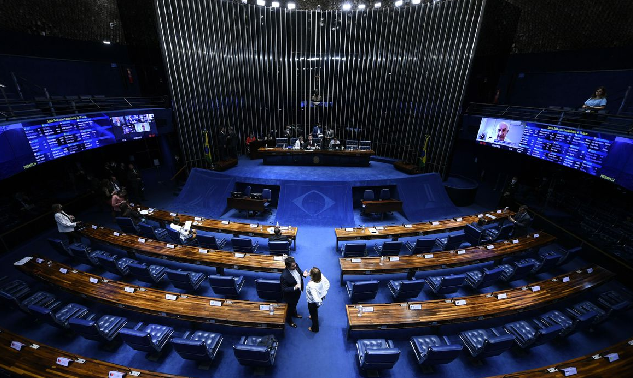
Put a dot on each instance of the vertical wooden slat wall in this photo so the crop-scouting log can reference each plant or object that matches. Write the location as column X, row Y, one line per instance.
column 389, row 75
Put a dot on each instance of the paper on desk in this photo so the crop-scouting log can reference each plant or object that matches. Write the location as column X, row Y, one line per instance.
column 349, row 229
column 372, row 230
column 225, row 222
column 408, row 225
column 143, row 212
column 23, row 261
column 188, row 225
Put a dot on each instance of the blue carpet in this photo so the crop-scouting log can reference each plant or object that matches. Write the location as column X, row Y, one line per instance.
column 318, row 203
column 424, row 198
column 204, row 194
column 329, row 353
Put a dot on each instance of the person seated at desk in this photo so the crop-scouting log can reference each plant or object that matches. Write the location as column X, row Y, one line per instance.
column 596, row 102
column 335, row 144
column 278, row 235
column 186, row 233
column 310, row 144
column 129, row 212
column 521, row 221
column 299, row 143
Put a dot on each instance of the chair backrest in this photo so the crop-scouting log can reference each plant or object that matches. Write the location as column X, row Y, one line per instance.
column 454, row 241
column 191, row 349
column 571, row 253
column 423, row 245
column 354, row 249
column 473, row 234
column 138, row 340
column 141, row 271
column 268, row 289
column 82, row 253
column 364, row 290
column 522, row 269
column 548, row 262
column 450, row 284
column 380, row 359
column 266, row 194
column 495, row 345
column 385, row 194
column 505, row 231
column 368, row 195
column 254, row 355
column 247, row 191
column 391, row 248
column 490, row 276
column 410, row 288
column 207, row 241
column 127, row 225
column 174, row 235
column 442, row 354
column 223, row 284
column 59, row 247
column 86, row 328
column 279, row 247
column 111, row 265
column 146, row 230
column 181, row 279
column 242, row 245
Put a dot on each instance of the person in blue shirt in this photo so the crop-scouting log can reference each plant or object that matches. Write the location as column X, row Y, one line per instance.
column 596, row 102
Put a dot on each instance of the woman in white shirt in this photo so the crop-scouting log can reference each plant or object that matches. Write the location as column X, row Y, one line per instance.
column 316, row 290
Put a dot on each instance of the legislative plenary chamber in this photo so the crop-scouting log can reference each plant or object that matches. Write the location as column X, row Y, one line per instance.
column 323, row 188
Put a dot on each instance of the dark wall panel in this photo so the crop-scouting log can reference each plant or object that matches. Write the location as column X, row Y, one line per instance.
column 390, row 75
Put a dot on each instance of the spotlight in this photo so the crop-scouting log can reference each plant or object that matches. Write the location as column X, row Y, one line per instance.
column 106, row 42
column 416, row 2
column 244, row 1
column 347, row 6
column 361, row 6
column 292, row 6
column 261, row 2
column 377, row 5
column 275, row 4
column 398, row 3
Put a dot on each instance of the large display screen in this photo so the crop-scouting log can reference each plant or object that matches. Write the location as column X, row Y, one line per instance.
column 26, row 144
column 598, row 154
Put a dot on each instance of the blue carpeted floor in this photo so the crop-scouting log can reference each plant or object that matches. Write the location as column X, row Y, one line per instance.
column 326, row 354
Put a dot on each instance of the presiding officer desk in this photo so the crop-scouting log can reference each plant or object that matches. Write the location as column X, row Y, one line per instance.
column 477, row 307
column 152, row 301
column 212, row 225
column 41, row 361
column 442, row 259
column 595, row 365
column 415, row 229
column 188, row 254
column 283, row 156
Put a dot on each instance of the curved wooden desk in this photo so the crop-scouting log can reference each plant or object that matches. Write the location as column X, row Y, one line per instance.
column 442, row 259
column 594, row 365
column 41, row 362
column 187, row 254
column 284, row 156
column 477, row 307
column 415, row 229
column 151, row 301
column 211, row 225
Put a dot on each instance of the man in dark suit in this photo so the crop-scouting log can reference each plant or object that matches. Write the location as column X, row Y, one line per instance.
column 521, row 221
column 291, row 286
column 278, row 235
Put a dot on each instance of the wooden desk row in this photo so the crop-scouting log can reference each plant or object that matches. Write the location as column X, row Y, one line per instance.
column 442, row 259
column 151, row 301
column 187, row 254
column 415, row 229
column 226, row 227
column 246, row 203
column 40, row 361
column 381, row 206
column 477, row 307
column 283, row 156
column 595, row 365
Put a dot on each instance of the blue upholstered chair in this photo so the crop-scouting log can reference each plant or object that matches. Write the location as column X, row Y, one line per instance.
column 60, row 247
column 452, row 241
column 40, row 298
column 475, row 235
column 431, row 350
column 84, row 254
column 544, row 264
column 256, row 350
column 376, row 354
column 210, row 241
column 483, row 343
column 279, row 247
column 267, row 196
column 421, row 246
column 368, row 195
column 528, row 335
column 155, row 233
column 269, row 290
column 445, row 284
column 198, row 345
column 516, row 270
column 502, row 232
column 389, row 248
column 407, row 289
column 127, row 225
column 244, row 245
column 362, row 290
column 104, row 330
column 479, row 279
column 186, row 280
column 226, row 285
column 115, row 265
column 585, row 308
column 385, row 194
column 354, row 250
column 147, row 273
column 14, row 289
column 614, row 300
column 568, row 325
column 556, row 250
column 151, row 338
column 60, row 317
column 247, row 191
column 174, row 235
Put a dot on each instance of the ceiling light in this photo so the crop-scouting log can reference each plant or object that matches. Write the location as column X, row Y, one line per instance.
column 106, row 42
column 347, row 6
column 261, row 2
column 377, row 5
column 275, row 4
column 244, row 1
column 292, row 5
column 416, row 2
column 398, row 3
column 361, row 6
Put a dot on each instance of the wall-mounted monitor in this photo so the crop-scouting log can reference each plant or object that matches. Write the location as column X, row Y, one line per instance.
column 502, row 133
